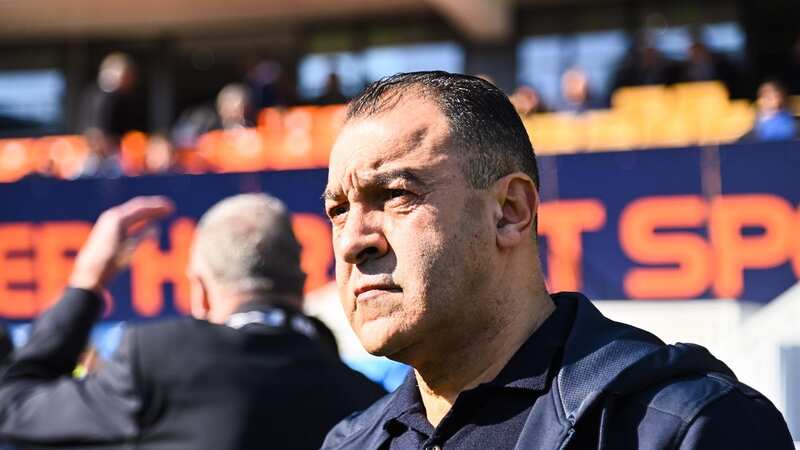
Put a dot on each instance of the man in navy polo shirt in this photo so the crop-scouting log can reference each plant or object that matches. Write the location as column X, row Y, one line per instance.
column 432, row 194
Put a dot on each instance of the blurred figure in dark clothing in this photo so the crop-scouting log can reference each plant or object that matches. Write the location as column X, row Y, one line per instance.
column 332, row 95
column 575, row 95
column 109, row 109
column 702, row 65
column 645, row 65
column 774, row 121
column 248, row 370
column 705, row 65
column 527, row 101
column 263, row 79
column 232, row 109
column 792, row 76
column 193, row 123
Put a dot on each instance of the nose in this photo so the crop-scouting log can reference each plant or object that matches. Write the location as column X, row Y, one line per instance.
column 362, row 238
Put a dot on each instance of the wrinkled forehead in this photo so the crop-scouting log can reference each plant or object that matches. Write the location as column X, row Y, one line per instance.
column 403, row 136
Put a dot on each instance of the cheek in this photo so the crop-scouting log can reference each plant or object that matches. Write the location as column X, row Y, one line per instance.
column 343, row 271
column 413, row 237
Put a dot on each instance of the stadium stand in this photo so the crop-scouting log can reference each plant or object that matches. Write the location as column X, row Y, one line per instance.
column 300, row 137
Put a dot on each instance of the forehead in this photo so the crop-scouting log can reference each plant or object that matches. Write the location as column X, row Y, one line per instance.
column 413, row 133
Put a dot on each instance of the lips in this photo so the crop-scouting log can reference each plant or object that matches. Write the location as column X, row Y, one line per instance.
column 366, row 291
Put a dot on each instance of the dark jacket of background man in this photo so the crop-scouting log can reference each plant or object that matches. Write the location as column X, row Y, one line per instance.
column 182, row 384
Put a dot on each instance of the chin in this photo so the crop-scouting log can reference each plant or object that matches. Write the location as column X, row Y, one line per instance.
column 381, row 339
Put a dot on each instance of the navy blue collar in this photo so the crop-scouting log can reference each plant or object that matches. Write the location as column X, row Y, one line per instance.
column 528, row 370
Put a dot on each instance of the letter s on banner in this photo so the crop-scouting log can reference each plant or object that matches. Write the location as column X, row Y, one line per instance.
column 642, row 242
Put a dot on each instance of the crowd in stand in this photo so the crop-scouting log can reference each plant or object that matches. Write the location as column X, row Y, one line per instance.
column 109, row 108
column 646, row 66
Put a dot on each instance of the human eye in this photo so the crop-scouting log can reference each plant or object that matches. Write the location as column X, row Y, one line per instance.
column 337, row 210
column 397, row 197
column 391, row 194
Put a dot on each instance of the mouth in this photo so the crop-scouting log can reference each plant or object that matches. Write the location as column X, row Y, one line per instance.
column 369, row 291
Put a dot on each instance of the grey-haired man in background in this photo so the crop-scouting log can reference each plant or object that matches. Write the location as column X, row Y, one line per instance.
column 249, row 370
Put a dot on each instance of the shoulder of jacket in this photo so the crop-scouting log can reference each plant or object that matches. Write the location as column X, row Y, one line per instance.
column 686, row 397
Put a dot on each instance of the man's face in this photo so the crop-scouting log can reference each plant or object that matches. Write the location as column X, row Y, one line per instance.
column 412, row 241
column 770, row 100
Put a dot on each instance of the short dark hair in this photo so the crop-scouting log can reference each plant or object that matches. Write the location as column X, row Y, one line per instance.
column 777, row 84
column 483, row 123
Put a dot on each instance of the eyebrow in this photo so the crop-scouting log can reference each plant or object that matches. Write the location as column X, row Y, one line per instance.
column 382, row 179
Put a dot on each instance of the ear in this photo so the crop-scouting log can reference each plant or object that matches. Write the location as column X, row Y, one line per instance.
column 516, row 200
column 199, row 305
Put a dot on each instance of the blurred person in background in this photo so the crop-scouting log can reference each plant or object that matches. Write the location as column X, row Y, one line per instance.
column 232, row 110
column 645, row 65
column 576, row 97
column 774, row 122
column 332, row 93
column 248, row 371
column 109, row 109
column 264, row 81
column 527, row 101
column 705, row 65
column 160, row 157
column 432, row 193
column 792, row 75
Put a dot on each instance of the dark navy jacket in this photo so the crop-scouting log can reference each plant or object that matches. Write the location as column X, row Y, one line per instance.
column 619, row 387
column 181, row 384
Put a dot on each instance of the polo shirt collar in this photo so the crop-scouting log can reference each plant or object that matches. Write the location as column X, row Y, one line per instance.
column 405, row 399
column 529, row 368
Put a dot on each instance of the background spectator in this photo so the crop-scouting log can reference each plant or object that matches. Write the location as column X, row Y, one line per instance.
column 645, row 65
column 264, row 82
column 332, row 95
column 526, row 101
column 240, row 374
column 109, row 109
column 159, row 157
column 774, row 121
column 575, row 95
column 792, row 76
column 705, row 65
column 232, row 109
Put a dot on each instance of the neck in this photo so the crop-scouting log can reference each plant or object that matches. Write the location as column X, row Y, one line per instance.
column 222, row 310
column 480, row 357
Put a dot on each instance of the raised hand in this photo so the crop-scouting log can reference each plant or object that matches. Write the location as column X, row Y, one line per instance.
column 114, row 236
